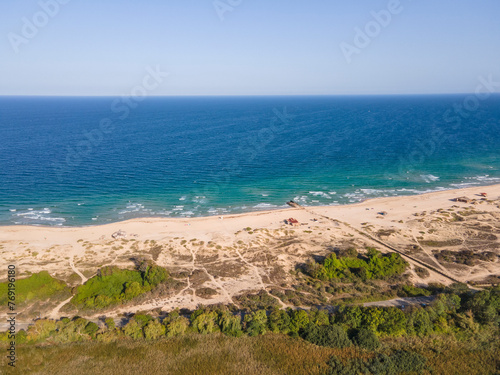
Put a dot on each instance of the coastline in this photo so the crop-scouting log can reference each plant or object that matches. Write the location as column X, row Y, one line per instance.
column 248, row 252
column 376, row 201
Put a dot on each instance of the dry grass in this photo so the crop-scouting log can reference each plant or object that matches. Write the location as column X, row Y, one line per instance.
column 217, row 354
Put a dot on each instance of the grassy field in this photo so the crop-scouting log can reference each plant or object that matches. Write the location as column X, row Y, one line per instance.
column 38, row 286
column 219, row 354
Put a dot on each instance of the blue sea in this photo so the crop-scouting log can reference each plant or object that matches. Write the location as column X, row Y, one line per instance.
column 69, row 161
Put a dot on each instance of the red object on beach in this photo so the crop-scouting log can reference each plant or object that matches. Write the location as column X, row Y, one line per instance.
column 293, row 221
column 483, row 194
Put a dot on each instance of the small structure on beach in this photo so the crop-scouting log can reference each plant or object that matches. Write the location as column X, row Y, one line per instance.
column 293, row 204
column 461, row 200
column 119, row 234
column 483, row 194
column 293, row 221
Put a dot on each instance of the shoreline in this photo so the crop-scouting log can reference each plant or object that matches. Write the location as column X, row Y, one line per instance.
column 491, row 189
column 244, row 253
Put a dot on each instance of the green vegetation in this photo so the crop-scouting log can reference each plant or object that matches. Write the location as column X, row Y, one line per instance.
column 412, row 291
column 333, row 336
column 39, row 286
column 401, row 362
column 113, row 285
column 454, row 333
column 350, row 267
column 448, row 313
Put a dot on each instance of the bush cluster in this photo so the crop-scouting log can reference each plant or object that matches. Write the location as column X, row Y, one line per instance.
column 372, row 266
column 113, row 285
column 39, row 286
column 448, row 313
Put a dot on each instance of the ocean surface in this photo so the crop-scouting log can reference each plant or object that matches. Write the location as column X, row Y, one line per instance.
column 89, row 161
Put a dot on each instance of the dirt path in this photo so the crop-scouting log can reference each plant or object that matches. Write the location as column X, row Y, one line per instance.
column 402, row 302
column 75, row 270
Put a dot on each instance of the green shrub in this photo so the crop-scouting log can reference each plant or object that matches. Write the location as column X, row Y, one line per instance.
column 401, row 362
column 333, row 336
column 176, row 325
column 374, row 266
column 113, row 285
column 91, row 328
column 256, row 323
column 366, row 339
column 39, row 286
column 279, row 321
column 133, row 329
column 412, row 291
column 204, row 321
column 230, row 324
column 154, row 330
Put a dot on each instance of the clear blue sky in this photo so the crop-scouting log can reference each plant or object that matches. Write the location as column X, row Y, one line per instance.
column 263, row 47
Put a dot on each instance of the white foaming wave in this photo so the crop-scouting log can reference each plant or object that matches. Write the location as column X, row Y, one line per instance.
column 355, row 197
column 163, row 212
column 133, row 207
column 32, row 216
column 301, row 199
column 416, row 191
column 265, row 205
column 377, row 191
column 484, row 178
column 12, row 210
column 320, row 194
column 178, row 208
column 464, row 185
column 200, row 199
column 429, row 178
column 187, row 213
column 476, row 180
column 183, row 198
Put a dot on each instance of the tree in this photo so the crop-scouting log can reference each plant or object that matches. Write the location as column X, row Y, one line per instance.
column 176, row 325
column 350, row 316
column 256, row 323
column 110, row 323
column 133, row 330
column 366, row 339
column 320, row 318
column 421, row 322
column 205, row 323
column 156, row 275
column 42, row 329
column 132, row 290
column 333, row 336
column 393, row 322
column 279, row 321
column 154, row 330
column 372, row 318
column 299, row 320
column 230, row 324
column 91, row 329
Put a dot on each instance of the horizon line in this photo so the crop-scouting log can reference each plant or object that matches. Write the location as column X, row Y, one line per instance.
column 234, row 95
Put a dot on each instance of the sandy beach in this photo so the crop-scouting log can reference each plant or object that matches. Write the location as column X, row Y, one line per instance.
column 249, row 252
column 224, row 227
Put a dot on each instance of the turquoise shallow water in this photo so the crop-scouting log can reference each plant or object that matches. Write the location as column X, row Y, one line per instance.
column 87, row 161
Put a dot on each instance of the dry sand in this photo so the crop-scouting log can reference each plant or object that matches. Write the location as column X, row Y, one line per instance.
column 219, row 254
